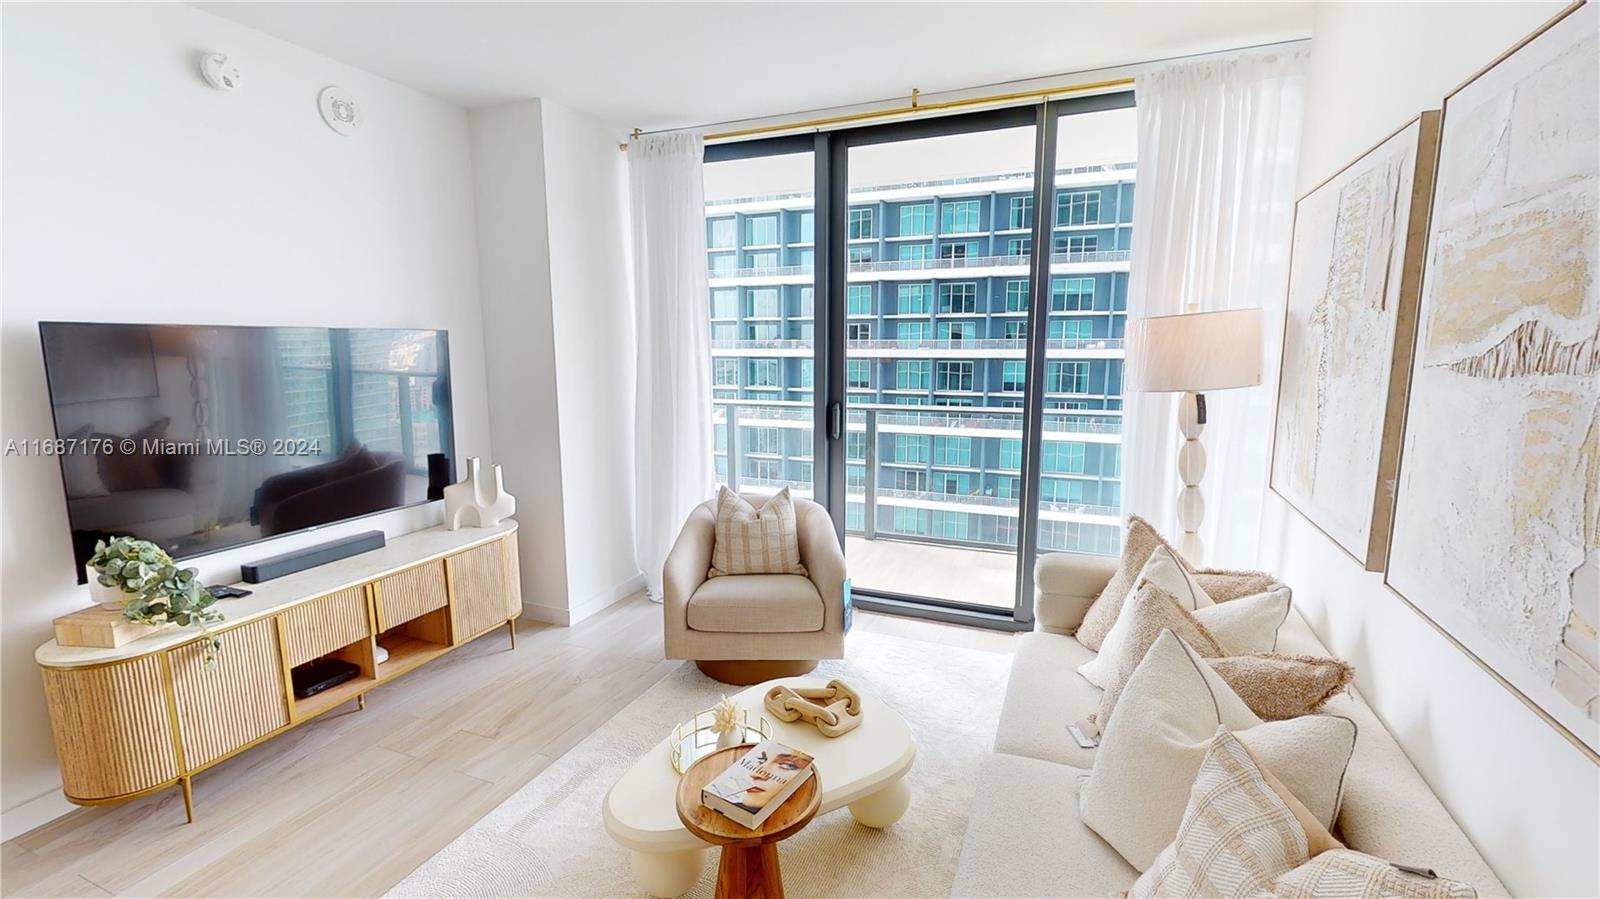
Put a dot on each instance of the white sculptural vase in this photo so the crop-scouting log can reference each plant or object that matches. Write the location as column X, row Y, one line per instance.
column 476, row 502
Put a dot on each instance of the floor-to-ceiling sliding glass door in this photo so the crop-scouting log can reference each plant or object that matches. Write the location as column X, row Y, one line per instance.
column 919, row 324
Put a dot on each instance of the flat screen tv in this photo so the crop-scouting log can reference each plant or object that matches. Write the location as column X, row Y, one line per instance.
column 201, row 438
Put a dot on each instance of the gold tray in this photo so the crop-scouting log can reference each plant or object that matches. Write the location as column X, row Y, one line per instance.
column 693, row 740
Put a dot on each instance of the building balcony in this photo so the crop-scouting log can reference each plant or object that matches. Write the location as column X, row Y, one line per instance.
column 922, row 269
column 977, row 348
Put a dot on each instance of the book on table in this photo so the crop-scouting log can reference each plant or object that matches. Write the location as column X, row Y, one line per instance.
column 754, row 786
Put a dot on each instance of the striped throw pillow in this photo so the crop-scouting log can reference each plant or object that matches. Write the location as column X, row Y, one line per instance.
column 751, row 541
column 1237, row 835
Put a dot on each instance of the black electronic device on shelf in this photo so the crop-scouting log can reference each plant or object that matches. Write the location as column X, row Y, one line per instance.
column 322, row 674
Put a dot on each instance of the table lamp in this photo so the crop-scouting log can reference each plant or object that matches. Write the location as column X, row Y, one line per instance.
column 1193, row 353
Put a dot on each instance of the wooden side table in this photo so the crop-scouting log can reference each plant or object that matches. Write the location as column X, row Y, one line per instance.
column 749, row 866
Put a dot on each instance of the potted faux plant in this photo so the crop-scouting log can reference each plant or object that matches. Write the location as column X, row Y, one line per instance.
column 141, row 579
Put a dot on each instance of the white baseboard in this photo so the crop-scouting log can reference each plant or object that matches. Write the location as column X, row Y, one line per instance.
column 566, row 617
column 34, row 813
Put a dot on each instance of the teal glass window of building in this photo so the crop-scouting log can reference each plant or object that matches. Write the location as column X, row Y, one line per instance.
column 913, row 299
column 724, row 232
column 1016, row 330
column 858, row 299
column 949, row 525
column 724, row 332
column 804, row 258
column 1013, row 376
column 910, row 335
column 1066, row 377
column 952, row 483
column 719, row 437
column 763, row 440
column 722, row 263
column 806, row 232
column 1063, row 458
column 954, row 376
column 910, row 375
column 725, row 372
column 1057, row 490
column 964, row 249
column 762, row 373
column 1019, row 246
column 725, row 303
column 1008, row 488
column 805, row 373
column 768, row 331
column 807, row 305
column 1071, row 294
column 855, row 517
column 910, row 521
column 860, row 224
column 916, row 220
column 958, row 297
column 911, row 481
column 858, row 331
column 1019, row 212
column 1075, row 330
column 960, row 217
column 1010, row 454
column 762, row 303
column 1077, row 243
column 766, row 259
column 859, row 255
column 914, row 252
column 762, row 469
column 855, row 447
column 952, row 451
column 956, row 332
column 1017, row 295
column 911, row 448
column 1078, row 207
column 761, row 231
column 855, row 477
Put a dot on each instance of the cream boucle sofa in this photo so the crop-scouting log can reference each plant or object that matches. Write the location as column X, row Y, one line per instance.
column 1024, row 836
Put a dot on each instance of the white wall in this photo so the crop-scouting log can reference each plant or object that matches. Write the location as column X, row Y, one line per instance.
column 1526, row 796
column 135, row 192
column 586, row 198
column 552, row 225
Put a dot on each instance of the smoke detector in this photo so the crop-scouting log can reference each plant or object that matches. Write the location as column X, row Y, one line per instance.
column 219, row 72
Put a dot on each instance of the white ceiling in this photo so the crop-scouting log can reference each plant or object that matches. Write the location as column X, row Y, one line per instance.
column 662, row 65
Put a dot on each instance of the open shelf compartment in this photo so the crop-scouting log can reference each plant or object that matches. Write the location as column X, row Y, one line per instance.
column 411, row 643
column 358, row 653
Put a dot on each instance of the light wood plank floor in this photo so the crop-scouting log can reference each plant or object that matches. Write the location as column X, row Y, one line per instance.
column 350, row 803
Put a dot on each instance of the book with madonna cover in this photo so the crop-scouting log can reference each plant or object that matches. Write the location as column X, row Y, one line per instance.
column 754, row 786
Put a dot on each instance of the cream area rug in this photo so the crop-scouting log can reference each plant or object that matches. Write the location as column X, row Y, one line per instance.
column 547, row 840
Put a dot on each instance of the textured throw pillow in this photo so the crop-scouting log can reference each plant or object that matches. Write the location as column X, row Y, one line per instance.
column 1137, row 546
column 1277, row 687
column 1150, row 610
column 1222, row 585
column 1237, row 627
column 1151, row 750
column 1347, row 874
column 1248, row 623
column 1237, row 834
column 748, row 541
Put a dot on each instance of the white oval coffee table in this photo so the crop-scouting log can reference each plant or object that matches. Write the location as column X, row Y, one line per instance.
column 864, row 769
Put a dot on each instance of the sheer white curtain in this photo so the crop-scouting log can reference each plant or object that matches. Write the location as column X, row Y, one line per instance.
column 672, row 417
column 1219, row 143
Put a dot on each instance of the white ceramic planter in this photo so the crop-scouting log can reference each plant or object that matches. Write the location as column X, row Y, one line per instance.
column 103, row 596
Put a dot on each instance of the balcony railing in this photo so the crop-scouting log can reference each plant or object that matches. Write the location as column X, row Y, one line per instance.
column 769, row 471
column 1027, row 177
column 1009, row 344
column 926, row 265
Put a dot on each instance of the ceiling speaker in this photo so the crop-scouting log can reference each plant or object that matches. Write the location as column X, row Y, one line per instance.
column 339, row 109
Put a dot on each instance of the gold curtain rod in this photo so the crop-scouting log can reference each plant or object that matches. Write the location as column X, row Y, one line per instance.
column 916, row 106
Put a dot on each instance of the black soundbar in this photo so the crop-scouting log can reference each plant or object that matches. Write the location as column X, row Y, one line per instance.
column 310, row 557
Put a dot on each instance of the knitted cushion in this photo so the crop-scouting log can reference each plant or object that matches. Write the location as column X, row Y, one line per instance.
column 1140, row 541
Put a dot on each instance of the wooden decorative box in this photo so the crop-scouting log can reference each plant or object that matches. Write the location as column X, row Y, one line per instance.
column 99, row 627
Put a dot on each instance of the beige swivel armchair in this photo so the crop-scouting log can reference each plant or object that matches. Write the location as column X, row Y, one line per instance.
column 744, row 629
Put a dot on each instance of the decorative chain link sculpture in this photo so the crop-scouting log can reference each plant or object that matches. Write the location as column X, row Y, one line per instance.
column 833, row 710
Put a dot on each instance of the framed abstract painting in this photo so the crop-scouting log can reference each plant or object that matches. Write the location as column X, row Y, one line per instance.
column 1354, row 276
column 1498, row 504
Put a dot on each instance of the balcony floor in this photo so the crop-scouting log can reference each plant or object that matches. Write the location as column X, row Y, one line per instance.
column 924, row 569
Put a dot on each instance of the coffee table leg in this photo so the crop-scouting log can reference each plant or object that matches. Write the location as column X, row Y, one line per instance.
column 884, row 807
column 668, row 874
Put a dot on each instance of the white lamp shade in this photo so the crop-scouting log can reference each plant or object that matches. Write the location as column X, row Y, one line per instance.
column 1195, row 351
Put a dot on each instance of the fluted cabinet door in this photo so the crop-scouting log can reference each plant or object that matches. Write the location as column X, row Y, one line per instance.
column 478, row 579
column 513, row 576
column 320, row 626
column 410, row 594
column 242, row 700
column 113, row 733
